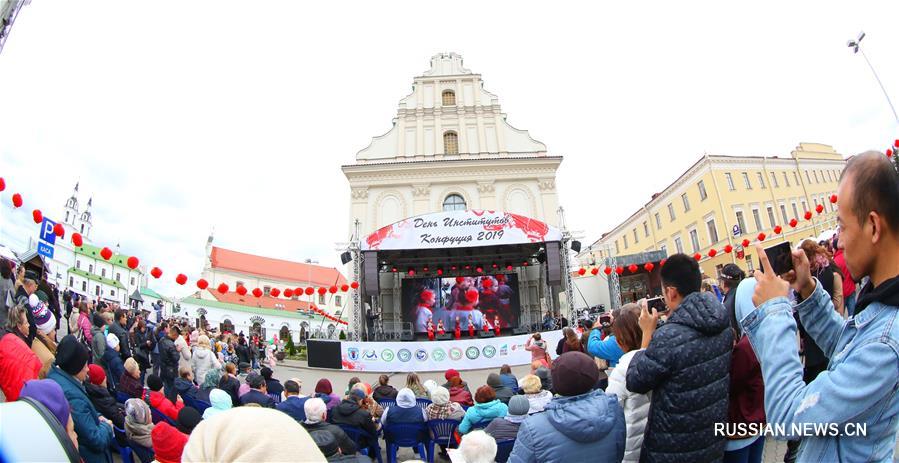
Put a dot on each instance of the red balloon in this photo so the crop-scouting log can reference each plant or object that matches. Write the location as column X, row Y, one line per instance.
column 242, row 290
column 833, row 199
column 608, row 270
column 202, row 284
column 2, row 184
column 697, row 256
column 819, row 208
column 777, row 230
column 728, row 249
column 133, row 262
column 77, row 240
column 38, row 217
column 746, row 242
column 17, row 200
column 181, row 279
column 594, row 270
column 619, row 270
column 761, row 237
column 581, row 271
column 332, row 289
column 275, row 292
column 713, row 252
column 649, row 266
column 223, row 288
column 257, row 292
column 354, row 285
column 632, row 268
column 322, row 290
column 808, row 215
column 793, row 223
column 156, row 272
column 344, row 288
column 309, row 291
column 106, row 253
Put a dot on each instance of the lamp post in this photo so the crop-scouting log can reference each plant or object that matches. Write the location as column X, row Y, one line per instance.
column 855, row 45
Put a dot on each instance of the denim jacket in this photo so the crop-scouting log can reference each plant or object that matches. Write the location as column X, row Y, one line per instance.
column 859, row 386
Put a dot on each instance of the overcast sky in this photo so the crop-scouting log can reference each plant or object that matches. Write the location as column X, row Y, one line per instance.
column 178, row 117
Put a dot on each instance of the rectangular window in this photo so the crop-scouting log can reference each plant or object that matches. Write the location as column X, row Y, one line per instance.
column 702, row 193
column 713, row 231
column 664, row 249
column 321, row 299
column 774, row 179
column 112, row 292
column 337, row 301
column 730, row 181
column 90, row 268
column 266, row 290
column 749, row 263
column 786, row 179
column 97, row 290
column 761, row 180
column 118, row 277
column 678, row 245
column 771, row 219
column 617, row 249
column 71, row 282
column 808, row 178
column 816, row 176
column 686, row 201
column 239, row 283
column 795, row 211
column 103, row 272
column 804, row 206
column 741, row 222
column 783, row 212
column 132, row 281
column 636, row 239
column 646, row 229
column 671, row 211
column 658, row 221
column 625, row 241
column 84, row 286
column 746, row 181
column 694, row 240
column 757, row 219
column 795, row 178
column 78, row 264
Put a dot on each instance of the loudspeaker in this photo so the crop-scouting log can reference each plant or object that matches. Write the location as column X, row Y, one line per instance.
column 444, row 337
column 553, row 264
column 407, row 337
column 346, row 257
column 324, row 354
column 371, row 284
column 575, row 246
column 486, row 334
column 517, row 331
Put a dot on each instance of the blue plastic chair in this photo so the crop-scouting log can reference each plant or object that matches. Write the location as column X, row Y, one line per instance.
column 196, row 403
column 386, row 403
column 124, row 452
column 442, row 432
column 356, row 435
column 144, row 454
column 276, row 398
column 480, row 425
column 413, row 435
column 503, row 450
column 422, row 403
column 159, row 416
column 121, row 397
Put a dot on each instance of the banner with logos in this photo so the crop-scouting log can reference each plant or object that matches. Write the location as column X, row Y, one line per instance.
column 464, row 354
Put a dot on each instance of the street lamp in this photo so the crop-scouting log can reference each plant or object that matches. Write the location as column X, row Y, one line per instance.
column 855, row 45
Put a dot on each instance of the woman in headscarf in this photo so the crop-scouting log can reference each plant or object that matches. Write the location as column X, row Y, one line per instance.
column 220, row 401
column 138, row 423
column 210, row 382
column 405, row 411
column 324, row 391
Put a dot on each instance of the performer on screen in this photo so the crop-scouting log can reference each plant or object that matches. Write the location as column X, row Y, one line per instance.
column 440, row 330
column 467, row 308
column 424, row 311
column 470, row 327
column 430, row 329
column 496, row 325
column 485, row 326
column 458, row 330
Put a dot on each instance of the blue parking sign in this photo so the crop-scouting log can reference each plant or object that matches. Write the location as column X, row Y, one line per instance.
column 47, row 231
column 45, row 250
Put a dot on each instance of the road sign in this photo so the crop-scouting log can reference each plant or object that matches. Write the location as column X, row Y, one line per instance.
column 47, row 231
column 45, row 250
column 737, row 231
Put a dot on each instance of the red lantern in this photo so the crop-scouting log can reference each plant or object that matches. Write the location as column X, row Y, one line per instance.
column 777, row 230
column 662, row 263
column 594, row 270
column 181, row 279
column 309, row 291
column 332, row 290
column 156, row 272
column 608, row 270
column 354, row 285
column 106, row 253
column 793, row 223
column 746, row 243
column 833, row 199
column 275, row 292
column 2, row 184
column 77, row 240
column 649, row 266
column 202, row 284
column 297, row 292
column 17, row 200
column 819, row 208
column 632, row 268
column 242, row 290
column 288, row 293
column 223, row 288
column 322, row 290
column 697, row 256
column 761, row 237
column 38, row 217
column 713, row 252
column 619, row 270
column 59, row 230
column 344, row 288
column 895, row 144
column 889, row 153
column 582, row 271
column 257, row 292
column 808, row 215
column 728, row 249
column 133, row 262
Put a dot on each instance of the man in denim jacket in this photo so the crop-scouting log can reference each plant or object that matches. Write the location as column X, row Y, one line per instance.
column 861, row 384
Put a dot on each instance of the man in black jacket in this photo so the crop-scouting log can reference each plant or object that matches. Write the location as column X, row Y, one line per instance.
column 350, row 412
column 686, row 365
column 168, row 362
column 258, row 392
column 117, row 327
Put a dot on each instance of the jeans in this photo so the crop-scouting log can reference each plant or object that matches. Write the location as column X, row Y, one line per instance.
column 752, row 453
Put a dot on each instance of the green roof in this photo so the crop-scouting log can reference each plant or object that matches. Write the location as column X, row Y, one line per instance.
column 97, row 278
column 153, row 294
column 243, row 308
column 117, row 260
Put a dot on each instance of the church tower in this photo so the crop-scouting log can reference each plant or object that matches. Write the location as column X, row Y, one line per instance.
column 71, row 209
column 84, row 222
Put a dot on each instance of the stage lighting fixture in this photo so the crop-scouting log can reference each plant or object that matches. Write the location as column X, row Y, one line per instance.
column 439, row 271
column 526, row 263
column 479, row 269
column 394, row 270
column 495, row 265
column 509, row 268
column 346, row 258
column 454, row 268
column 411, row 272
column 468, row 267
column 425, row 269
column 576, row 246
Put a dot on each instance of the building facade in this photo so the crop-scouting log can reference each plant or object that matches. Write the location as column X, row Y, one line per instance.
column 722, row 200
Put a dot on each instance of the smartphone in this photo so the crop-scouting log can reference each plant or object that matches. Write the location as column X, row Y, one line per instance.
column 657, row 303
column 780, row 257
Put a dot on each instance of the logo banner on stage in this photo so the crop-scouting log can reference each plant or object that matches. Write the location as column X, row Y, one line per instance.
column 465, row 354
column 460, row 229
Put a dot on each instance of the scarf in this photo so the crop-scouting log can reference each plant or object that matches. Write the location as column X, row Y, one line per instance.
column 138, row 424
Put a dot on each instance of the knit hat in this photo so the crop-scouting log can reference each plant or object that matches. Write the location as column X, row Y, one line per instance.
column 325, row 442
column 519, row 405
column 440, row 396
column 112, row 341
column 494, row 381
column 48, row 393
column 242, row 366
column 574, row 373
column 154, row 383
column 357, row 394
column 255, row 380
column 450, row 373
column 71, row 355
column 168, row 443
column 95, row 374
column 188, row 419
column 43, row 318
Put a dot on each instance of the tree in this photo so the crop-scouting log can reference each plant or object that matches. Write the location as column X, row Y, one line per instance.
column 342, row 336
column 291, row 349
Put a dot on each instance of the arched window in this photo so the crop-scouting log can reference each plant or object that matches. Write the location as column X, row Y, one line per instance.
column 449, row 98
column 450, row 143
column 454, row 203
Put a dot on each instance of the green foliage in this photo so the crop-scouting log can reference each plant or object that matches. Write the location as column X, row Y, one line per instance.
column 290, row 347
column 342, row 336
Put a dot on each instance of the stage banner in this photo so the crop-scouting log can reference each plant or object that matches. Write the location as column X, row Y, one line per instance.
column 465, row 354
column 460, row 229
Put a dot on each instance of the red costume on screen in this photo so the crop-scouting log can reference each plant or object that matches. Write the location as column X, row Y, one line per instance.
column 440, row 329
column 496, row 325
column 430, row 331
column 458, row 331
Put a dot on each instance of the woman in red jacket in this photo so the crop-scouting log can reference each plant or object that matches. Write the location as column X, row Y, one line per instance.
column 18, row 363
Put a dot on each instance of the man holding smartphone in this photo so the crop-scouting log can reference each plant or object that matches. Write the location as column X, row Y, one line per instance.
column 862, row 377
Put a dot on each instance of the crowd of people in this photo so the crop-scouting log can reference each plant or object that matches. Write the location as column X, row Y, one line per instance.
column 815, row 345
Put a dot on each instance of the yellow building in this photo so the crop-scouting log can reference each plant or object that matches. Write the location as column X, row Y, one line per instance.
column 722, row 200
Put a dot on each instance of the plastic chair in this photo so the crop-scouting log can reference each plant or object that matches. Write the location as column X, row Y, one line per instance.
column 276, row 398
column 385, row 403
column 480, row 425
column 159, row 416
column 441, row 433
column 503, row 450
column 144, row 454
column 412, row 435
column 121, row 397
column 422, row 403
column 356, row 435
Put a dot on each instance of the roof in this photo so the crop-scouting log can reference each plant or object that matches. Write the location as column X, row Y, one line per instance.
column 117, row 260
column 266, row 302
column 243, row 308
column 153, row 294
column 135, row 296
column 97, row 278
column 278, row 269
